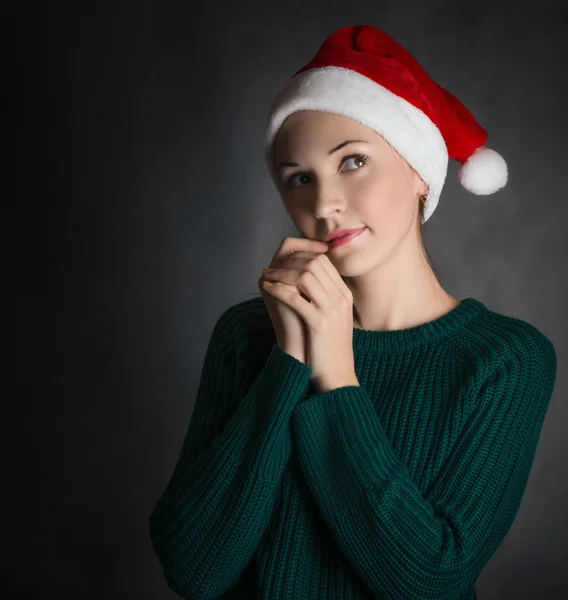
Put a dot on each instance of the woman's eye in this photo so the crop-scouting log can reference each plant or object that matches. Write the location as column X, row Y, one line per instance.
column 354, row 157
column 291, row 178
column 357, row 157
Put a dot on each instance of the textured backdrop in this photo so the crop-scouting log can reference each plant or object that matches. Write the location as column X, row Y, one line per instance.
column 144, row 209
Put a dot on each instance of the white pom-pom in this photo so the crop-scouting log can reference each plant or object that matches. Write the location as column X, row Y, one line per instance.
column 484, row 172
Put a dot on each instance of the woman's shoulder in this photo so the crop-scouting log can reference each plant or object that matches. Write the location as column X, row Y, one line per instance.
column 512, row 328
column 248, row 322
column 496, row 337
column 243, row 311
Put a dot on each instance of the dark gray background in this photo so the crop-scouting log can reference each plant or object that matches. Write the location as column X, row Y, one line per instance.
column 143, row 209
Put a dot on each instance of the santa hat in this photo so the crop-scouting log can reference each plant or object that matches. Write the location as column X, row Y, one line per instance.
column 362, row 73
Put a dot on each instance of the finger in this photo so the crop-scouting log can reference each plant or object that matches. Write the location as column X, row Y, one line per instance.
column 320, row 268
column 290, row 245
column 323, row 264
column 291, row 287
column 264, row 278
column 302, row 306
column 310, row 285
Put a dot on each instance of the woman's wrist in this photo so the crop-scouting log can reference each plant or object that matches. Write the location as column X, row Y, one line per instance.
column 297, row 353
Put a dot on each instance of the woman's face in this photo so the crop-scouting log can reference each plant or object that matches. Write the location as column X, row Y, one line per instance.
column 376, row 189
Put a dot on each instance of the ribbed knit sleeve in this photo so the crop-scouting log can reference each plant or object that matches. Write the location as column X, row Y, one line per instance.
column 210, row 518
column 404, row 544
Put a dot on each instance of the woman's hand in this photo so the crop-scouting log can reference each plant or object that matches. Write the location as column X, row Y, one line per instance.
column 327, row 312
column 289, row 328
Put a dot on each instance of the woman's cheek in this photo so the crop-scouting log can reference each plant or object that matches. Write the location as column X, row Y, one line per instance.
column 372, row 200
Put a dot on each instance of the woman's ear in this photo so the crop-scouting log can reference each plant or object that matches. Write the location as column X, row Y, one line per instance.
column 423, row 188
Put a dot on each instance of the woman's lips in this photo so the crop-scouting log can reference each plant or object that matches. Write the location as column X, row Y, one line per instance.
column 345, row 239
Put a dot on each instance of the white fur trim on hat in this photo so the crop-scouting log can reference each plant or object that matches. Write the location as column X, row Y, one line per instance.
column 342, row 91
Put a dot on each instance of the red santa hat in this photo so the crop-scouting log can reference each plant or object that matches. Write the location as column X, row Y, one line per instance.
column 362, row 73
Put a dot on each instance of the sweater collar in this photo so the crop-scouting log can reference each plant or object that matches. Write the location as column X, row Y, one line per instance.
column 401, row 339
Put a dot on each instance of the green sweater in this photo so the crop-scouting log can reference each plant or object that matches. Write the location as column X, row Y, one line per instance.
column 400, row 488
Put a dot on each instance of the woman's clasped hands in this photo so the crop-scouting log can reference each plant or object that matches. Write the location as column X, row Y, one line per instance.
column 302, row 279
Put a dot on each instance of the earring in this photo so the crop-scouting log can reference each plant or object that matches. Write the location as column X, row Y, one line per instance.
column 423, row 198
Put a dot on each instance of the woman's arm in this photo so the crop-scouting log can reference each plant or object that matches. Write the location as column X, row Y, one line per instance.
column 406, row 544
column 210, row 518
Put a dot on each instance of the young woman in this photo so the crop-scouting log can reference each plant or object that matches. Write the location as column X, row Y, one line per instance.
column 374, row 439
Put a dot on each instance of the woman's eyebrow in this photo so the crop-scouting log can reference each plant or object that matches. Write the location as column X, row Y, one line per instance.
column 329, row 153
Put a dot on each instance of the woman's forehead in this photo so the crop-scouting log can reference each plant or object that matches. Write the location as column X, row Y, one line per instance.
column 320, row 119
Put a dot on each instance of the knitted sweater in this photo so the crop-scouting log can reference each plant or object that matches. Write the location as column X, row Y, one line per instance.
column 402, row 487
